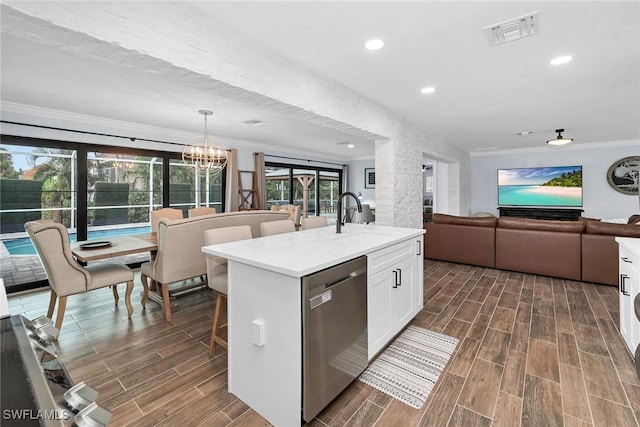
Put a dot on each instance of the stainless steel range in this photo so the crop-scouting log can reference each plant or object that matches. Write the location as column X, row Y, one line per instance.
column 35, row 388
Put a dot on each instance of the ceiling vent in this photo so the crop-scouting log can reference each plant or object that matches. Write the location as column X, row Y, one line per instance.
column 513, row 29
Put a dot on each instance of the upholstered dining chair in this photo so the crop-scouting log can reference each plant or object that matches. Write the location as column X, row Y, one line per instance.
column 217, row 275
column 277, row 227
column 294, row 211
column 169, row 213
column 313, row 222
column 67, row 277
column 202, row 210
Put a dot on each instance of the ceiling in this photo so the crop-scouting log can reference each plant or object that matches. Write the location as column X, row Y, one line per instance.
column 484, row 95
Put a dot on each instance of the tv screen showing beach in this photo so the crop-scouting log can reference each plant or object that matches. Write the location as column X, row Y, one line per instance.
column 551, row 186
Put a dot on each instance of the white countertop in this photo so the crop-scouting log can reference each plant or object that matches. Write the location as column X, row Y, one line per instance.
column 631, row 243
column 304, row 252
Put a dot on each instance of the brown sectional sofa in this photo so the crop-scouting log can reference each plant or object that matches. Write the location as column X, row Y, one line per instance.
column 461, row 239
column 549, row 248
column 578, row 250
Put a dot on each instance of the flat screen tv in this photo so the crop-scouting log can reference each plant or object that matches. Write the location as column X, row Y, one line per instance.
column 545, row 186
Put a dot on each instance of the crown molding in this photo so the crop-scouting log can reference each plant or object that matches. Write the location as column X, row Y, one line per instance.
column 552, row 149
column 82, row 122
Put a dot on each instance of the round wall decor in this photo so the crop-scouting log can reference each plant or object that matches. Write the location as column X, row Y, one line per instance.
column 623, row 175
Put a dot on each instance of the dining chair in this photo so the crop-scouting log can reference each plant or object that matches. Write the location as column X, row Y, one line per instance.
column 169, row 213
column 217, row 276
column 202, row 210
column 67, row 277
column 366, row 215
column 294, row 211
column 277, row 227
column 313, row 222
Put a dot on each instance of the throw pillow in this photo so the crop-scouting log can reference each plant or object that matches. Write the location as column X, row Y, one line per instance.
column 483, row 215
column 616, row 220
column 634, row 219
column 587, row 219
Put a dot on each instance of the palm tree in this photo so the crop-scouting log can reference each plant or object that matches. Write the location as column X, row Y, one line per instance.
column 55, row 174
column 6, row 165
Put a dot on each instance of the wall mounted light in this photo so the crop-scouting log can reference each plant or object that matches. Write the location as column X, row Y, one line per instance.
column 360, row 196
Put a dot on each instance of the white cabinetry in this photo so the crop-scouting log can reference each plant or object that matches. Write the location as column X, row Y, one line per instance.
column 265, row 286
column 394, row 290
column 629, row 288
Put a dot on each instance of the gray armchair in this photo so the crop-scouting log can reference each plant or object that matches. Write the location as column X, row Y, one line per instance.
column 67, row 277
column 366, row 215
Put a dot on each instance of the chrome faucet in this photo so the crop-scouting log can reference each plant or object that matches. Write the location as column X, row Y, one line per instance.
column 339, row 223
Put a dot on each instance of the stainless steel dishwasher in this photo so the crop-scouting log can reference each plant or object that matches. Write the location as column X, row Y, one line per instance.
column 334, row 328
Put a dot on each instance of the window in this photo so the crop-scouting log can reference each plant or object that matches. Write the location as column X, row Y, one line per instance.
column 90, row 189
column 37, row 182
column 122, row 189
column 316, row 190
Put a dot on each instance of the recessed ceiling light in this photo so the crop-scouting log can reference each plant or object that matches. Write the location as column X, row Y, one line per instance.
column 346, row 143
column 428, row 89
column 561, row 60
column 253, row 122
column 525, row 133
column 374, row 44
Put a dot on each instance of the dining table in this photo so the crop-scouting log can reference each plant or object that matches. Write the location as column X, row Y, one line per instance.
column 93, row 250
column 96, row 250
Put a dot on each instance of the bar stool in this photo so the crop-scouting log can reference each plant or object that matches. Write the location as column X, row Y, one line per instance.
column 217, row 275
column 313, row 222
column 277, row 227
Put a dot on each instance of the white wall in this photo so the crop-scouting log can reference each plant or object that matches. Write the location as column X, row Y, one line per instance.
column 599, row 199
column 356, row 181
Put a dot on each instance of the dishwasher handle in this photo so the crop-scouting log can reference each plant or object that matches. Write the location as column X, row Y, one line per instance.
column 351, row 275
column 326, row 296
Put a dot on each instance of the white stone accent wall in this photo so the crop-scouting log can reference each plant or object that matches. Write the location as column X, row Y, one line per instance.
column 172, row 39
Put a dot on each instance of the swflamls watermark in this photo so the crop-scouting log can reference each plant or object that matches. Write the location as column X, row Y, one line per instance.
column 30, row 414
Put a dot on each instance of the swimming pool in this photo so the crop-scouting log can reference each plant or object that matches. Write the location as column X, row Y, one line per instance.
column 23, row 245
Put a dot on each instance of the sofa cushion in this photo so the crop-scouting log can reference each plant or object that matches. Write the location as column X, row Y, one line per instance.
column 622, row 230
column 460, row 243
column 542, row 252
column 464, row 220
column 541, row 225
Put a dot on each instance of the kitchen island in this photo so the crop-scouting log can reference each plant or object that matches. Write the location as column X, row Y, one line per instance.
column 265, row 304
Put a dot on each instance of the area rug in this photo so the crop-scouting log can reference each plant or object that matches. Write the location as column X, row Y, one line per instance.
column 409, row 368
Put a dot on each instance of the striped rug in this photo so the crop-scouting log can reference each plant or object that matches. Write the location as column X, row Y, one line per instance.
column 409, row 368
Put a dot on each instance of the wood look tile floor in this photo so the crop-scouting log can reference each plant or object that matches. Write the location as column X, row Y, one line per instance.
column 533, row 351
